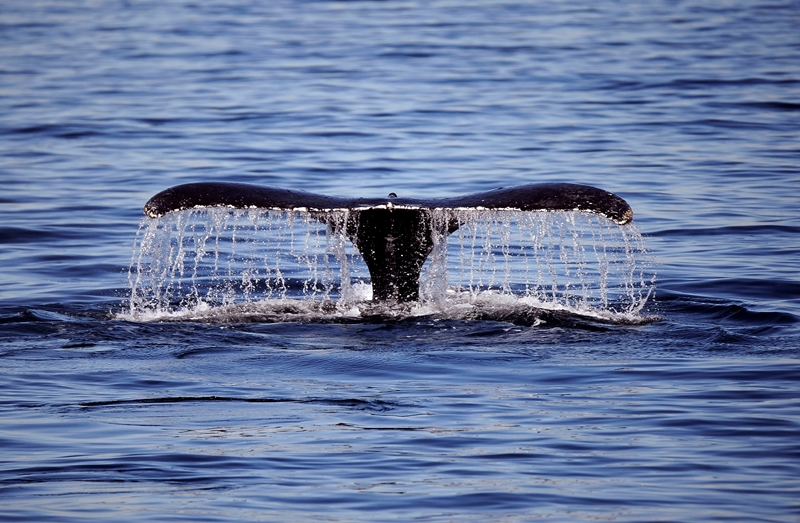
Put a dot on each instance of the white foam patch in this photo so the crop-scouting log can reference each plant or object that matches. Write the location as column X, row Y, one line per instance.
column 459, row 305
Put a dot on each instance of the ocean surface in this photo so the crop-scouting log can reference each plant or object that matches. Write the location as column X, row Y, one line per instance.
column 165, row 370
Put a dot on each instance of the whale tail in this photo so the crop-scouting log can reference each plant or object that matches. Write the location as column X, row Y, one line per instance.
column 394, row 235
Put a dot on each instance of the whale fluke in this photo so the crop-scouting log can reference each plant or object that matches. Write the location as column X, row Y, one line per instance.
column 394, row 235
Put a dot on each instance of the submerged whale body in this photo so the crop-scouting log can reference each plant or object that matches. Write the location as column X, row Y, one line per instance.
column 394, row 235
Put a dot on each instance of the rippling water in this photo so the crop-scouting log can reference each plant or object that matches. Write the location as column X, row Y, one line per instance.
column 689, row 110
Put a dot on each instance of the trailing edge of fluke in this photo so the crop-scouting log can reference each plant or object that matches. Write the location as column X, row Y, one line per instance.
column 394, row 235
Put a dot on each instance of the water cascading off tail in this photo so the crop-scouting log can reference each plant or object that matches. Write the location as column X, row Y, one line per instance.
column 207, row 260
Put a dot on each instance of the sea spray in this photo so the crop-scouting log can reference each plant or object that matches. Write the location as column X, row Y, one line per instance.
column 220, row 263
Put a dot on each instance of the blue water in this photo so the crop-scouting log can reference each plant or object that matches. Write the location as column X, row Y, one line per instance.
column 689, row 110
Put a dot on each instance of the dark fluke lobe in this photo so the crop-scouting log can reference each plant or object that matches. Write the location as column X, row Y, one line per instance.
column 394, row 235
